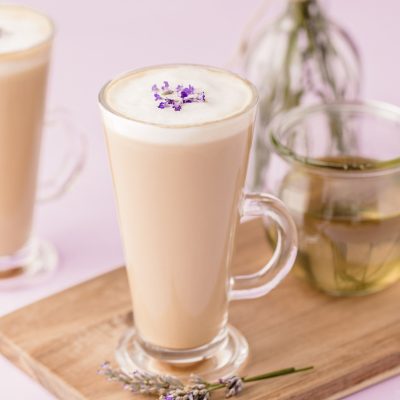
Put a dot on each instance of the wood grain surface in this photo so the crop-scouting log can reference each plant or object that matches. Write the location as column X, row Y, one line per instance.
column 352, row 342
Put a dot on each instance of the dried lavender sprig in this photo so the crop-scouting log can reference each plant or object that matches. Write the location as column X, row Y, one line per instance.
column 141, row 382
column 195, row 392
column 233, row 385
column 169, row 388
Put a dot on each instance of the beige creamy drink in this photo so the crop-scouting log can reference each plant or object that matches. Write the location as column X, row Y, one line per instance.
column 178, row 176
column 25, row 38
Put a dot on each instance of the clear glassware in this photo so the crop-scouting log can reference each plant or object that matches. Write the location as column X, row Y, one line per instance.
column 346, row 204
column 179, row 195
column 24, row 258
column 301, row 58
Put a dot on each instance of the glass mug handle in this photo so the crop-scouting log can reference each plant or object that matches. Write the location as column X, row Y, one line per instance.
column 270, row 275
column 72, row 159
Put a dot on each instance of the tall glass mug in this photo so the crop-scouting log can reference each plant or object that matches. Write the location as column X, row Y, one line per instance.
column 25, row 44
column 178, row 177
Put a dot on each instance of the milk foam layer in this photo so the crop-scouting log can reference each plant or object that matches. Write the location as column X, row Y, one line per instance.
column 130, row 108
column 22, row 28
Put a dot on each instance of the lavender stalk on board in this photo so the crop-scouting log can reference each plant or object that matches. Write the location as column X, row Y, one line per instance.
column 169, row 388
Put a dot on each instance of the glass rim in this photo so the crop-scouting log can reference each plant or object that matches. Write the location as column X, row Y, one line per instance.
column 105, row 104
column 35, row 46
column 282, row 122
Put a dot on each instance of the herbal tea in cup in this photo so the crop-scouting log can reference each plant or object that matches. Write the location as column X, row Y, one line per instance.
column 339, row 175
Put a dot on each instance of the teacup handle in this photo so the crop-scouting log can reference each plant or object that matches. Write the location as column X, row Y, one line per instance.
column 72, row 157
column 270, row 275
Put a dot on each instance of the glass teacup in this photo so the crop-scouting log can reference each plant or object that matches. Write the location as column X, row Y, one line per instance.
column 337, row 168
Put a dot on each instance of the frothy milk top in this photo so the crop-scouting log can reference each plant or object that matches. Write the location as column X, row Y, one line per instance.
column 22, row 28
column 129, row 108
column 225, row 93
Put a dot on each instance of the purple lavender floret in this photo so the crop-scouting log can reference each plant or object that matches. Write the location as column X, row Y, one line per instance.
column 175, row 99
column 184, row 93
column 165, row 86
column 233, row 386
column 177, row 107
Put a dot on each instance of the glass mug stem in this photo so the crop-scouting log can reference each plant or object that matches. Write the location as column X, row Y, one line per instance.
column 260, row 283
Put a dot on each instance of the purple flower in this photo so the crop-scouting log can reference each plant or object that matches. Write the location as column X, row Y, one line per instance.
column 169, row 98
column 195, row 392
column 233, row 386
column 184, row 93
column 165, row 86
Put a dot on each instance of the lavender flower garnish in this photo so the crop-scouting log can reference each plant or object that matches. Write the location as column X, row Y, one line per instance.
column 169, row 388
column 141, row 382
column 234, row 385
column 194, row 392
column 176, row 98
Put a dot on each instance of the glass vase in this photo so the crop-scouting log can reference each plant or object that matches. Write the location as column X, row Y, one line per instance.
column 301, row 58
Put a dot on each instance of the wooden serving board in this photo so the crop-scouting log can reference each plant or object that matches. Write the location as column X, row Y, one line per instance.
column 352, row 342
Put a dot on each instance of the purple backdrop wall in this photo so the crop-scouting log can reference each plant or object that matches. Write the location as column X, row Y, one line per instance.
column 96, row 40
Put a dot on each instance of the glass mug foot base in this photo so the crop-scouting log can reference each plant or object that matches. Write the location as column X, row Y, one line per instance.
column 31, row 265
column 225, row 360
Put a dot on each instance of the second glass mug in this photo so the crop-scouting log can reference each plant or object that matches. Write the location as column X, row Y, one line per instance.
column 23, row 75
column 179, row 206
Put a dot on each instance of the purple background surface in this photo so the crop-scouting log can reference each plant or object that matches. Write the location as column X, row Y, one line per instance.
column 96, row 40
